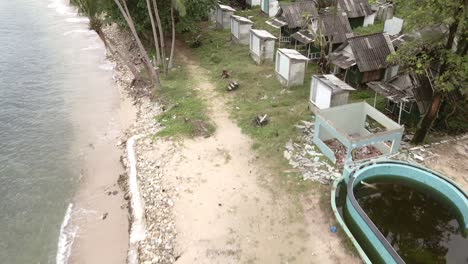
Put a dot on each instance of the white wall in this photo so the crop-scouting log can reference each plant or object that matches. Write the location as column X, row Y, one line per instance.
column 282, row 65
column 369, row 20
column 253, row 2
column 235, row 28
column 255, row 44
column 323, row 97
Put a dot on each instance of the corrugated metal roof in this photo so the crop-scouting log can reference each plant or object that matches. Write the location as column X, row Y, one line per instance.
column 406, row 88
column 293, row 54
column 335, row 26
column 371, row 51
column 242, row 19
column 342, row 58
column 294, row 14
column 277, row 22
column 337, row 85
column 263, row 34
column 303, row 36
column 355, row 8
column 226, row 8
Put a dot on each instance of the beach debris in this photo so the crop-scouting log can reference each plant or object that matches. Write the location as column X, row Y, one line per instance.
column 333, row 229
column 232, row 86
column 225, row 74
column 104, row 216
column 261, row 120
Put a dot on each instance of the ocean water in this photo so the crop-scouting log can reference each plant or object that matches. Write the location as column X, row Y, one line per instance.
column 55, row 84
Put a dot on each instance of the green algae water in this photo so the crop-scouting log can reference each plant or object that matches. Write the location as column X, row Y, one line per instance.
column 421, row 228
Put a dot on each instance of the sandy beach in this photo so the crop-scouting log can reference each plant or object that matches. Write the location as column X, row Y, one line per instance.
column 100, row 210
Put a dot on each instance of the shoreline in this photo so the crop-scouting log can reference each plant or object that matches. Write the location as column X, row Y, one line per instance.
column 100, row 215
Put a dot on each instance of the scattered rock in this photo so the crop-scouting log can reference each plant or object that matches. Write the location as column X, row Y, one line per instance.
column 104, row 216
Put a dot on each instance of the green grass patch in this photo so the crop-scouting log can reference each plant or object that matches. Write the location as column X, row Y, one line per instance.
column 370, row 29
column 186, row 111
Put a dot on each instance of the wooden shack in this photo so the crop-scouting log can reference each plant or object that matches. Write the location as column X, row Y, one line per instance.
column 262, row 46
column 240, row 29
column 290, row 67
column 357, row 11
column 363, row 59
column 328, row 91
column 292, row 17
column 223, row 16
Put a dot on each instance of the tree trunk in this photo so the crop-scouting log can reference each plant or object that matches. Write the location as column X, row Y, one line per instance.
column 123, row 57
column 146, row 61
column 155, row 34
column 171, row 57
column 431, row 115
column 428, row 119
column 161, row 37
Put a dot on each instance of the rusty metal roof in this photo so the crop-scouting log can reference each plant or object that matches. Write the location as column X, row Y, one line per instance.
column 294, row 14
column 371, row 51
column 303, row 36
column 335, row 26
column 355, row 8
column 405, row 88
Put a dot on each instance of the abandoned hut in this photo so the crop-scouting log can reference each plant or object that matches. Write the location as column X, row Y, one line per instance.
column 332, row 29
column 359, row 12
column 407, row 95
column 363, row 59
column 240, row 29
column 223, row 16
column 262, row 46
column 328, row 91
column 290, row 67
column 357, row 131
column 293, row 17
column 269, row 7
column 303, row 42
column 253, row 2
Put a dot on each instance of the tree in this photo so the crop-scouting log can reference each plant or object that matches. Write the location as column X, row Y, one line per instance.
column 93, row 9
column 440, row 24
column 154, row 75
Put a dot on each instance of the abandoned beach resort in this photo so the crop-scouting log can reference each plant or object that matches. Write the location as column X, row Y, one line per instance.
column 234, row 131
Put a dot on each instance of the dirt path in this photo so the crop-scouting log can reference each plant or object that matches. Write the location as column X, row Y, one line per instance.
column 227, row 211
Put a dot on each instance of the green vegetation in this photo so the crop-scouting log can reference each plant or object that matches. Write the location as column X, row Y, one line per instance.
column 186, row 114
column 371, row 29
column 440, row 54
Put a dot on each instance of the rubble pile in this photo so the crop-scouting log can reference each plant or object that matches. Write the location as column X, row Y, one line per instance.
column 307, row 158
column 159, row 242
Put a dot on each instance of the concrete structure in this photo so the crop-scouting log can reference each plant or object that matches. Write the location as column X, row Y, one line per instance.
column 269, row 7
column 240, row 29
column 223, row 16
column 328, row 91
column 347, row 124
column 253, row 2
column 262, row 46
column 290, row 67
